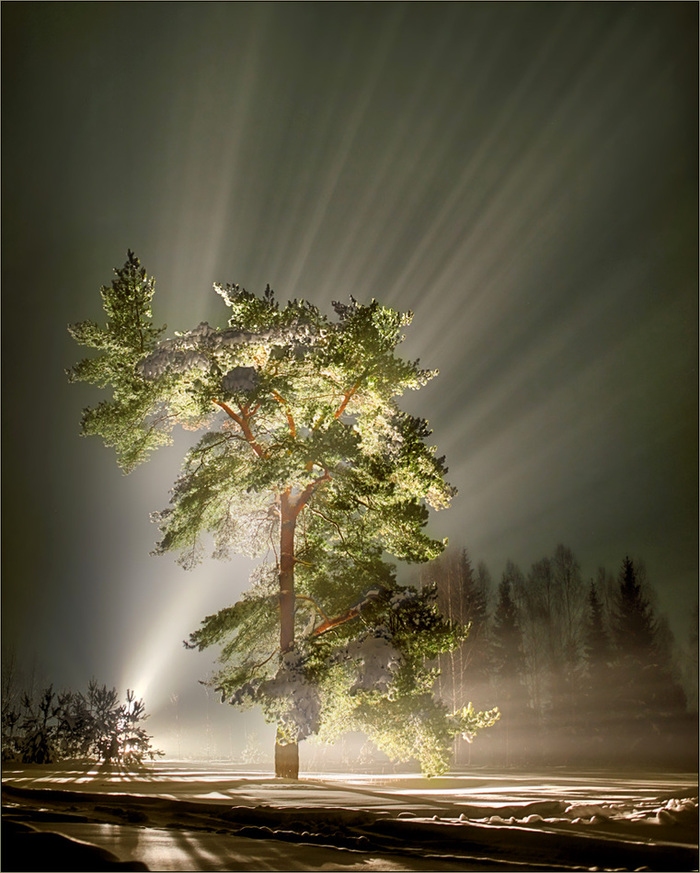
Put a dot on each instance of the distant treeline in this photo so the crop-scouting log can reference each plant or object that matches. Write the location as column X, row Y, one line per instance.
column 43, row 726
column 583, row 672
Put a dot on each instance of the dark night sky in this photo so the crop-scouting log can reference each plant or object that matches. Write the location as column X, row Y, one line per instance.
column 522, row 176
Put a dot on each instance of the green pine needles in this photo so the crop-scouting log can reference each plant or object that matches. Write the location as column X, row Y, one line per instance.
column 307, row 462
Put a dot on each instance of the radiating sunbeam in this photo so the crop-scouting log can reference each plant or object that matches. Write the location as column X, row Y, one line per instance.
column 522, row 176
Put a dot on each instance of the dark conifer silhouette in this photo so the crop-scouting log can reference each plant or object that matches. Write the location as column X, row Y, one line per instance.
column 597, row 647
column 597, row 698
column 582, row 673
column 53, row 727
column 508, row 658
column 634, row 623
column 649, row 697
column 507, row 633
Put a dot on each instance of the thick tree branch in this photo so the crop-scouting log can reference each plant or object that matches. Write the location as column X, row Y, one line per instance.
column 330, row 623
column 242, row 422
column 347, row 397
column 290, row 420
column 303, row 498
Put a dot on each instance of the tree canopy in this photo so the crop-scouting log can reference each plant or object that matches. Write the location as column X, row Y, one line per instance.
column 306, row 460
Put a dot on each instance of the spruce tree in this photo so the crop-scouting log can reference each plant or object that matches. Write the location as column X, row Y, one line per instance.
column 306, row 456
column 134, row 742
column 541, row 638
column 570, row 605
column 507, row 634
column 598, row 691
column 508, row 653
column 649, row 695
column 476, row 649
column 474, row 594
column 597, row 647
column 38, row 728
column 634, row 622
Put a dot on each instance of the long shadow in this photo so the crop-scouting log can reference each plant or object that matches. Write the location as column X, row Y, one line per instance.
column 25, row 848
column 128, row 772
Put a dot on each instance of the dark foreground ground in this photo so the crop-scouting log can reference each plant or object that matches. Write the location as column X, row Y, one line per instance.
column 179, row 816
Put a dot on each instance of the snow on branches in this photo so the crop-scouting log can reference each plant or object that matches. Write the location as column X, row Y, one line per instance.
column 195, row 349
column 288, row 697
column 375, row 659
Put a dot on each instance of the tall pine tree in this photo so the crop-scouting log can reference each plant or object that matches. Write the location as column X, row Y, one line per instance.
column 305, row 457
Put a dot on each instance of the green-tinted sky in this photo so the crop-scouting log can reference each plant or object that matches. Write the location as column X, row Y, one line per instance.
column 522, row 176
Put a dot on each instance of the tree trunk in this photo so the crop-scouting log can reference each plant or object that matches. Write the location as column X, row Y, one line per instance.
column 286, row 760
column 287, row 756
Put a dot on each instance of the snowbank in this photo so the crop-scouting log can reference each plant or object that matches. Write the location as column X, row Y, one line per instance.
column 461, row 822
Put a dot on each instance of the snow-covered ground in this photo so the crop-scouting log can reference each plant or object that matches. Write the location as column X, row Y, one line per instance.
column 184, row 816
